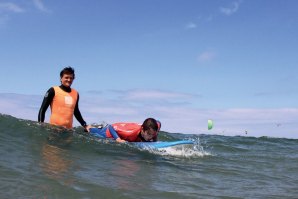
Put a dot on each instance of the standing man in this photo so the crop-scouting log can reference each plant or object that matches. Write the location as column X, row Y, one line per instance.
column 64, row 102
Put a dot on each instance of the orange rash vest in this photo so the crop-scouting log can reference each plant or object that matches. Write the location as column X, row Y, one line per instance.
column 62, row 107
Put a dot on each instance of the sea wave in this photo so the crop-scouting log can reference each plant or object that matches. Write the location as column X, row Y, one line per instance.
column 43, row 161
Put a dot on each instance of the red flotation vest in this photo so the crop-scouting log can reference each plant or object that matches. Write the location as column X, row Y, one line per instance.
column 126, row 131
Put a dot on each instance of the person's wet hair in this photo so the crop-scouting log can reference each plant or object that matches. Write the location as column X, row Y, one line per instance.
column 150, row 123
column 67, row 70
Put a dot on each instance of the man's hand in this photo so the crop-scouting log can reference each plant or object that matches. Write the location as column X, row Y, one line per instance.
column 87, row 128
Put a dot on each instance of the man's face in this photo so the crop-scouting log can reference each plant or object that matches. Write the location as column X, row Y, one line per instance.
column 67, row 80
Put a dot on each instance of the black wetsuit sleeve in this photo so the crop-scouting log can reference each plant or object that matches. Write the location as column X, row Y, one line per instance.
column 48, row 98
column 78, row 114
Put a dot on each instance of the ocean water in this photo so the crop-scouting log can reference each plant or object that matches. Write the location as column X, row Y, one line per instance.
column 39, row 161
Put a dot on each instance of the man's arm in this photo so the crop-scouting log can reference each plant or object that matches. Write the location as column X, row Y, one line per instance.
column 78, row 114
column 48, row 98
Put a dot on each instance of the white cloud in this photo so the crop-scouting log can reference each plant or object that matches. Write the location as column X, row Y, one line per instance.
column 22, row 106
column 40, row 5
column 191, row 25
column 10, row 7
column 280, row 122
column 116, row 110
column 139, row 94
column 206, row 56
column 230, row 10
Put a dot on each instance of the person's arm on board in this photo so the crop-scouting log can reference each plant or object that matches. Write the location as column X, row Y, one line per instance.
column 48, row 98
column 94, row 130
column 115, row 134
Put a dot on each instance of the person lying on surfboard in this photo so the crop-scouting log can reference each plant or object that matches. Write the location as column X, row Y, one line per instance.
column 129, row 132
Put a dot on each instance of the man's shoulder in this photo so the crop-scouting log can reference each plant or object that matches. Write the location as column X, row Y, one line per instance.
column 50, row 92
column 74, row 90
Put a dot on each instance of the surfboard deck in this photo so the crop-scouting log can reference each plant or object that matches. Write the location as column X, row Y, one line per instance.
column 152, row 145
column 161, row 144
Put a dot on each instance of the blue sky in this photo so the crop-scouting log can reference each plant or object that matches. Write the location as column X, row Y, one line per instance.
column 183, row 62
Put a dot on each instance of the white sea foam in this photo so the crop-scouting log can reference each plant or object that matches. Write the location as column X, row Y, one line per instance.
column 182, row 151
column 185, row 150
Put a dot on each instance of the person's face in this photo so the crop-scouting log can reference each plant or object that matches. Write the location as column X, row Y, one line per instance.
column 148, row 135
column 67, row 80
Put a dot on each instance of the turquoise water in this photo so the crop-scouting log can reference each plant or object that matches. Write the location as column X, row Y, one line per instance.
column 38, row 161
